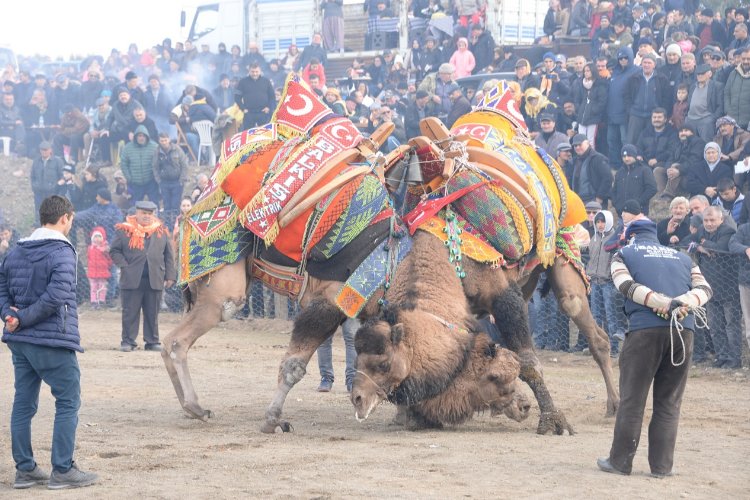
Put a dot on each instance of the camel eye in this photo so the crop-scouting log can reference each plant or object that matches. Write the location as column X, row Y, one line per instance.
column 384, row 366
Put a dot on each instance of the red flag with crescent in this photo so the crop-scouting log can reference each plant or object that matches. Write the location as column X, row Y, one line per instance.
column 299, row 108
column 499, row 99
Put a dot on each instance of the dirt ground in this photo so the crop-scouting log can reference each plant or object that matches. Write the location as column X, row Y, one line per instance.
column 134, row 434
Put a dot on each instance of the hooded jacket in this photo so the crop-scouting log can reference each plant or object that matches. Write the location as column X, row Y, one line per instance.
column 617, row 114
column 599, row 259
column 591, row 104
column 39, row 278
column 98, row 261
column 136, row 160
column 701, row 176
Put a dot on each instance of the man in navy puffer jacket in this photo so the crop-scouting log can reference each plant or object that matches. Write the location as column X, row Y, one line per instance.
column 38, row 305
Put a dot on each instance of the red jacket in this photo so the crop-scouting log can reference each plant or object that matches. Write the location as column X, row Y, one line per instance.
column 99, row 261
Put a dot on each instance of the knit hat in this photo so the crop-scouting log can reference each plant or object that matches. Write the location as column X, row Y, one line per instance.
column 548, row 55
column 629, row 150
column 130, row 75
column 632, row 207
column 696, row 221
column 564, row 146
column 421, row 94
column 648, row 56
column 104, row 194
column 641, row 227
column 98, row 231
column 673, row 48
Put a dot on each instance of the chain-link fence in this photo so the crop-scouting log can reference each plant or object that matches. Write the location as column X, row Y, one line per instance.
column 720, row 345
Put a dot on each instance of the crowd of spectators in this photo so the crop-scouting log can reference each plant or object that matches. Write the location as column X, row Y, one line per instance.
column 659, row 110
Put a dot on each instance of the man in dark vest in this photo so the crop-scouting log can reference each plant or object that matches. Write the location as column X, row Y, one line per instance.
column 662, row 287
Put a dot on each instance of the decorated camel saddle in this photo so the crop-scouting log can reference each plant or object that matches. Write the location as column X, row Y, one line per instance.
column 486, row 181
column 302, row 194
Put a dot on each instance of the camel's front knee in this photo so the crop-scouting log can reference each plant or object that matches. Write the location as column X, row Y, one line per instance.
column 571, row 305
column 292, row 371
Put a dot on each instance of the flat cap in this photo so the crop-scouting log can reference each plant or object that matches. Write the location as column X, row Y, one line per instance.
column 148, row 206
column 578, row 139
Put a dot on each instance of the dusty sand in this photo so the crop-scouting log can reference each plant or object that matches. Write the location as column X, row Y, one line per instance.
column 134, row 434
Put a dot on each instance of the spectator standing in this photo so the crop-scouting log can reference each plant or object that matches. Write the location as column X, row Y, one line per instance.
column 603, row 293
column 102, row 213
column 276, row 74
column 137, row 164
column 617, row 113
column 67, row 186
column 224, row 93
column 737, row 91
column 417, row 109
column 590, row 96
column 645, row 91
column 141, row 118
column 93, row 181
column 462, row 59
column 724, row 317
column 170, row 172
column 46, row 171
column 482, row 46
column 11, row 123
column 41, row 349
column 741, row 40
column 671, row 68
column 143, row 251
column 91, row 90
column 157, row 102
column 706, row 103
column 8, row 240
column 256, row 98
column 313, row 51
column 98, row 264
column 592, row 177
column 675, row 228
column 333, row 25
column 634, row 181
column 122, row 114
column 709, row 30
column 123, row 194
column 325, row 357
column 655, row 281
column 99, row 132
column 437, row 84
column 459, row 104
column 739, row 244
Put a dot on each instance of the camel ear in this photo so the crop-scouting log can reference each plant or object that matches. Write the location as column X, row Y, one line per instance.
column 397, row 332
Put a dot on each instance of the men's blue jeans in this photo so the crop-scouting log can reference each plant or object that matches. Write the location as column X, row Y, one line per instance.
column 604, row 309
column 58, row 368
column 325, row 352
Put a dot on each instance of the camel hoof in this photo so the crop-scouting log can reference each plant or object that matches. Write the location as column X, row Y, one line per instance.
column 612, row 408
column 554, row 422
column 199, row 413
column 270, row 427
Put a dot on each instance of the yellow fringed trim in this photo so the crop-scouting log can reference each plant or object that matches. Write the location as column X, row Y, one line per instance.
column 471, row 246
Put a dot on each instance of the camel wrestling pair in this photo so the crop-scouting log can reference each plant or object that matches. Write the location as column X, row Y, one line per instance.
column 416, row 243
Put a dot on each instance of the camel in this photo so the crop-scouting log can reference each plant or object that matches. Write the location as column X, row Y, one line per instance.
column 498, row 291
column 439, row 370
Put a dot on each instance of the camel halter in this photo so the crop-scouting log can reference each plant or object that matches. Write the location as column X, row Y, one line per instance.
column 675, row 325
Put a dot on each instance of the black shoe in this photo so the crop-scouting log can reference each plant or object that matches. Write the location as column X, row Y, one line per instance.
column 152, row 347
column 603, row 464
column 719, row 363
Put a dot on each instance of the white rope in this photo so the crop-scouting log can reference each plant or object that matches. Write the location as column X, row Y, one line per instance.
column 675, row 325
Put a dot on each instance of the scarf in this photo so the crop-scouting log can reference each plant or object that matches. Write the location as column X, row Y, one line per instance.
column 587, row 84
column 138, row 233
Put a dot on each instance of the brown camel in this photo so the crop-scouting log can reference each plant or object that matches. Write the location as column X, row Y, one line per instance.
column 439, row 369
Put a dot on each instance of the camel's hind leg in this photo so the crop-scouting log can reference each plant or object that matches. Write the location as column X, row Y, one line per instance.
column 314, row 324
column 571, row 295
column 215, row 298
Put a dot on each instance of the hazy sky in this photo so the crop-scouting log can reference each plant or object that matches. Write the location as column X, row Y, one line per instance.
column 80, row 27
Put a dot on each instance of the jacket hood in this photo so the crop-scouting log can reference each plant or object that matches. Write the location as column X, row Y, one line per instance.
column 609, row 220
column 626, row 52
column 42, row 242
column 141, row 129
column 99, row 230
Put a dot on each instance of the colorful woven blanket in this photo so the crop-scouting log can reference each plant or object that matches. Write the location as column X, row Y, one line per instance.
column 371, row 275
column 472, row 246
column 261, row 215
column 567, row 248
column 196, row 260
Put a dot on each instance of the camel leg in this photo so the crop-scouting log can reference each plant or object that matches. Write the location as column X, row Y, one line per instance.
column 511, row 318
column 313, row 325
column 221, row 294
column 571, row 295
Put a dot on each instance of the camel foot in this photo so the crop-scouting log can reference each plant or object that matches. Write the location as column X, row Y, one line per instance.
column 270, row 427
column 195, row 411
column 554, row 422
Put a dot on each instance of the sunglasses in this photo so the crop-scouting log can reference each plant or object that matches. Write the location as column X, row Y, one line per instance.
column 715, row 58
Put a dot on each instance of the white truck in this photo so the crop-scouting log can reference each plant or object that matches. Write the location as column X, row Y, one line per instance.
column 276, row 24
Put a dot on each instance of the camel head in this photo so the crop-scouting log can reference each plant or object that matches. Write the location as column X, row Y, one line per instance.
column 497, row 387
column 383, row 362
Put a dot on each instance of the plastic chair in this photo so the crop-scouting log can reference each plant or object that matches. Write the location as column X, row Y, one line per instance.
column 204, row 129
column 6, row 145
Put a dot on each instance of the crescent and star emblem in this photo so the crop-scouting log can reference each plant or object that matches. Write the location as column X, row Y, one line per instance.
column 306, row 109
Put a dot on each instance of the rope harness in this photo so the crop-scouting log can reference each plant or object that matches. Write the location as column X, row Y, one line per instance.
column 701, row 321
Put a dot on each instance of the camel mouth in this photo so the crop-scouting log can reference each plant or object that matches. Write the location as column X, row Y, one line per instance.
column 362, row 408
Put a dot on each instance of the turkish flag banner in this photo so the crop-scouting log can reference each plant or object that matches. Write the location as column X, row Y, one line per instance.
column 299, row 108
